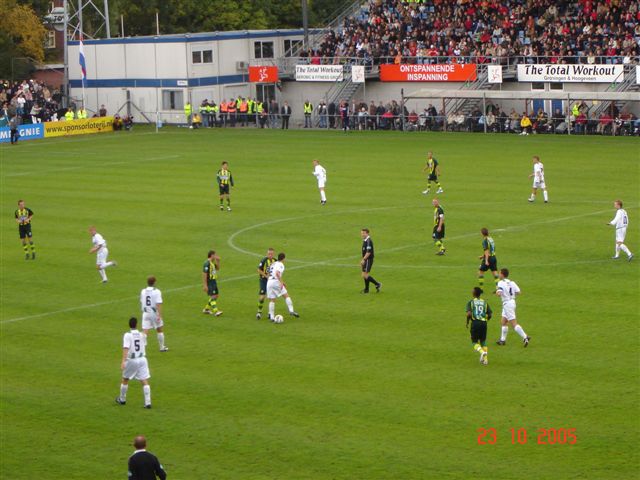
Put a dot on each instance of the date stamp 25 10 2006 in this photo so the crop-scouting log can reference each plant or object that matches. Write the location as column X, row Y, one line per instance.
column 545, row 436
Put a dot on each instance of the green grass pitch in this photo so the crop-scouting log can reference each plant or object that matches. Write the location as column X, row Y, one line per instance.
column 384, row 386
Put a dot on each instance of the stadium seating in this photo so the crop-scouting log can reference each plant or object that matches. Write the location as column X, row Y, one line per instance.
column 479, row 31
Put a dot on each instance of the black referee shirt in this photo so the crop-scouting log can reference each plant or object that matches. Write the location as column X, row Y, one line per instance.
column 145, row 466
column 367, row 246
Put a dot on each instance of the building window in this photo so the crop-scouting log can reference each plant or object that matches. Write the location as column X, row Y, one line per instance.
column 202, row 56
column 172, row 100
column 556, row 86
column 263, row 49
column 291, row 47
column 50, row 39
column 537, row 86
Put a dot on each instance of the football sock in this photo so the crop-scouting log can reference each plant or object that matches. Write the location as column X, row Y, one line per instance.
column 438, row 185
column 228, row 202
column 546, row 196
column 477, row 347
column 485, row 349
column 108, row 264
column 373, row 280
column 272, row 309
column 481, row 280
column 520, row 331
column 221, row 201
column 617, row 249
column 624, row 248
column 323, row 196
column 25, row 247
column 366, row 284
column 289, row 303
column 161, row 340
column 438, row 244
column 260, row 305
column 503, row 335
column 213, row 304
column 33, row 247
column 123, row 392
column 146, row 389
column 496, row 279
column 103, row 274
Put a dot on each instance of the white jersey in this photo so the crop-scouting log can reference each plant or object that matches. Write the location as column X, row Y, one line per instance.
column 320, row 173
column 621, row 220
column 136, row 342
column 507, row 289
column 538, row 172
column 98, row 241
column 276, row 267
column 150, row 297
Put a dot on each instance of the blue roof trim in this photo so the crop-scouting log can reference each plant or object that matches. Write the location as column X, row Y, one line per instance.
column 160, row 82
column 196, row 37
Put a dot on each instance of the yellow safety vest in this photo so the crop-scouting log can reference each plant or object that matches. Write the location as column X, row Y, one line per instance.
column 187, row 109
column 308, row 108
column 69, row 115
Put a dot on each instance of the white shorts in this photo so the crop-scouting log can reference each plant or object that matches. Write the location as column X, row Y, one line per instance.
column 275, row 289
column 150, row 321
column 509, row 310
column 537, row 184
column 321, row 183
column 101, row 256
column 620, row 234
column 136, row 369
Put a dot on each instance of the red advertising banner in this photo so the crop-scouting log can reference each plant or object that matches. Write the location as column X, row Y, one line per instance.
column 263, row 74
column 453, row 72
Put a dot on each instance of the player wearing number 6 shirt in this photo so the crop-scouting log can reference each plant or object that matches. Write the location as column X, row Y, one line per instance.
column 620, row 222
column 151, row 304
column 507, row 290
column 276, row 288
column 102, row 252
column 321, row 175
column 134, row 364
column 538, row 180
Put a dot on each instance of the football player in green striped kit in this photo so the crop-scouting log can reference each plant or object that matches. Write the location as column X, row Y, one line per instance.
column 478, row 313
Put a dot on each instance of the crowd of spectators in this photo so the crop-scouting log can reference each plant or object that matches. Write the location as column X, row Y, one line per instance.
column 482, row 31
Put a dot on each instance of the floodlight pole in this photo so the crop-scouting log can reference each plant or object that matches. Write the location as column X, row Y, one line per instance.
column 65, row 80
column 305, row 23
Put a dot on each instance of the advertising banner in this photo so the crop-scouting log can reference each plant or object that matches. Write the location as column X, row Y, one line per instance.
column 357, row 73
column 428, row 73
column 494, row 73
column 571, row 73
column 259, row 74
column 319, row 73
column 26, row 132
column 78, row 127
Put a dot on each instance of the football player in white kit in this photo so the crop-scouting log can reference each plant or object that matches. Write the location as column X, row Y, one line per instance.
column 151, row 304
column 134, row 364
column 102, row 252
column 276, row 288
column 321, row 174
column 620, row 222
column 538, row 180
column 507, row 290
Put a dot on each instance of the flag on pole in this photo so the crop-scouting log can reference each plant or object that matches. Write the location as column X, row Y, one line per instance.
column 83, row 64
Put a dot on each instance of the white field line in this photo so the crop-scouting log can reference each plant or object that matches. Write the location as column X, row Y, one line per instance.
column 91, row 165
column 307, row 264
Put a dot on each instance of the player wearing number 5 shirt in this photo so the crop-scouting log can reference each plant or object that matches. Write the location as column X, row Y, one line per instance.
column 507, row 290
column 151, row 305
column 134, row 364
column 620, row 223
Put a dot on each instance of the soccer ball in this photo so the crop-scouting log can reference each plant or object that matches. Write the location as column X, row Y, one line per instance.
column 278, row 319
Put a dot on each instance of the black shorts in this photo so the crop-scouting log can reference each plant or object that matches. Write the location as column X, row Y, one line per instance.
column 263, row 286
column 478, row 331
column 433, row 177
column 438, row 235
column 212, row 287
column 25, row 231
column 367, row 265
column 224, row 189
column 493, row 265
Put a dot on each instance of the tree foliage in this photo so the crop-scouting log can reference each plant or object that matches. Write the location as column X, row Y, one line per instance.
column 21, row 34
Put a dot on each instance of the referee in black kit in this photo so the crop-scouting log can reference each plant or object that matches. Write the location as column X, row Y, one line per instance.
column 144, row 465
column 367, row 261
